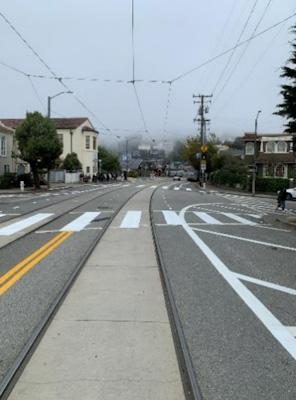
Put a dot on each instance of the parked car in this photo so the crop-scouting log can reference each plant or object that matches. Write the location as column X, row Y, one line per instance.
column 291, row 193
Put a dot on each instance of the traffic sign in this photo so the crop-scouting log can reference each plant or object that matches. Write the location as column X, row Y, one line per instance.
column 203, row 165
column 204, row 148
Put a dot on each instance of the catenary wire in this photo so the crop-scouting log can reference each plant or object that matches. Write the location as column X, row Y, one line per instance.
column 36, row 93
column 47, row 66
column 140, row 108
column 233, row 51
column 166, row 114
column 243, row 53
column 210, row 60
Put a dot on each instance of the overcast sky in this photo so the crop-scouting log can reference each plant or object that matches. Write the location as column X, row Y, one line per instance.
column 92, row 39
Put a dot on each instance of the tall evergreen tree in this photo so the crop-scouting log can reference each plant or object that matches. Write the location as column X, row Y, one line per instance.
column 287, row 108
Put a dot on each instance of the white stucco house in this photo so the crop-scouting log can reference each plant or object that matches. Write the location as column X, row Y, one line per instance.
column 77, row 135
column 7, row 163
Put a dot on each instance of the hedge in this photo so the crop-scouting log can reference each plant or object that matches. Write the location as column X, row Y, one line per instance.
column 271, row 184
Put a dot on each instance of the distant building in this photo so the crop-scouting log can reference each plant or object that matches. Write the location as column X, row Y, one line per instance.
column 274, row 154
column 7, row 163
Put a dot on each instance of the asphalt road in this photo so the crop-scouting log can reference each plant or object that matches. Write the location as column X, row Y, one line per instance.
column 234, row 282
column 26, row 301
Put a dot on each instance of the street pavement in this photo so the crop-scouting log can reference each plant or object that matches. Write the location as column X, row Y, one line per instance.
column 233, row 279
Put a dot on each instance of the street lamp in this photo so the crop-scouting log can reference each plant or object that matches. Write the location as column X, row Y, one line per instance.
column 254, row 156
column 49, row 98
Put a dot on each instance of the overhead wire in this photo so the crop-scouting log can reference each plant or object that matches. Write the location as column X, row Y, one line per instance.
column 233, row 51
column 210, row 60
column 243, row 52
column 166, row 113
column 47, row 66
column 36, row 93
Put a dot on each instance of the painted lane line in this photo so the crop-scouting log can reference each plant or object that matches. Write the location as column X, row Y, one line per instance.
column 131, row 220
column 266, row 284
column 246, row 239
column 18, row 271
column 238, row 218
column 23, row 224
column 79, row 223
column 15, row 207
column 275, row 327
column 207, row 218
column 139, row 186
column 171, row 218
column 292, row 330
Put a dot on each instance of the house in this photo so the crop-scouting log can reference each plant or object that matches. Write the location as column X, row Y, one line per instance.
column 77, row 135
column 274, row 154
column 7, row 163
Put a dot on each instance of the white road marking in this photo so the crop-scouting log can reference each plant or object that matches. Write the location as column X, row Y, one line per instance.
column 292, row 330
column 165, row 187
column 171, row 218
column 275, row 327
column 239, row 219
column 139, row 186
column 16, row 207
column 189, row 189
column 153, row 187
column 207, row 218
column 266, row 284
column 255, row 216
column 131, row 220
column 2, row 215
column 176, row 188
column 80, row 223
column 246, row 239
column 25, row 223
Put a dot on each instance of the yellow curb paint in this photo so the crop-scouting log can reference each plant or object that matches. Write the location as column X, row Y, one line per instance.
column 19, row 270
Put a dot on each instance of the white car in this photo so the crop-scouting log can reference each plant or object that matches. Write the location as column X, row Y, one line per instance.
column 291, row 193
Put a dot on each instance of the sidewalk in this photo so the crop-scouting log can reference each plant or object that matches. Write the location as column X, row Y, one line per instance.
column 111, row 338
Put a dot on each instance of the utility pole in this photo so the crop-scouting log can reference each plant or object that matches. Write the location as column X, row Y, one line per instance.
column 254, row 168
column 203, row 101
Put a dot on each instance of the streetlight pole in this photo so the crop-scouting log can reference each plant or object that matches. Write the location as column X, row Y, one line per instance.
column 254, row 156
column 49, row 98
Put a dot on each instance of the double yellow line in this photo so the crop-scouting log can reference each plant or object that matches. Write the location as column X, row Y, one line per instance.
column 19, row 270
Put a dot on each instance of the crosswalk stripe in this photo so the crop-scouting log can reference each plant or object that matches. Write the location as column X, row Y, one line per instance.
column 2, row 215
column 189, row 189
column 165, row 187
column 131, row 219
column 207, row 218
column 176, row 188
column 79, row 223
column 171, row 218
column 153, row 187
column 24, row 223
column 239, row 219
column 139, row 186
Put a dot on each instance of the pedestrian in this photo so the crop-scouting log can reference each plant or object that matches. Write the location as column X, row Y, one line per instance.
column 282, row 195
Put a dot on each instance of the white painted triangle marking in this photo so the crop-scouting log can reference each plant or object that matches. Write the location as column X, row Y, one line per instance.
column 79, row 223
column 171, row 218
column 131, row 220
column 207, row 218
column 24, row 223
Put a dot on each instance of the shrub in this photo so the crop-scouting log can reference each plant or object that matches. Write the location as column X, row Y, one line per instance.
column 271, row 184
column 7, row 181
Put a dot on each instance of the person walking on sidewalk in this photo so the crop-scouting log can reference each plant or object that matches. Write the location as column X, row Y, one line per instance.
column 282, row 196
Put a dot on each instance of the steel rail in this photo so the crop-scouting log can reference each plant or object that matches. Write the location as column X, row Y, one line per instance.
column 14, row 372
column 191, row 388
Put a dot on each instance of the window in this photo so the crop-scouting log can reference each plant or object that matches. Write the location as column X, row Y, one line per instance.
column 270, row 147
column 250, row 148
column 94, row 143
column 87, row 142
column 3, row 146
column 269, row 170
column 280, row 171
column 6, row 168
column 282, row 147
column 87, row 170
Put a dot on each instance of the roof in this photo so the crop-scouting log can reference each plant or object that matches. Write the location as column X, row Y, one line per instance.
column 60, row 123
column 288, row 158
column 251, row 135
column 5, row 129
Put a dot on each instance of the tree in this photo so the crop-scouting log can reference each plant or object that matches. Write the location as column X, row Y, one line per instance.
column 71, row 162
column 38, row 144
column 109, row 161
column 287, row 108
column 177, row 154
column 192, row 147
